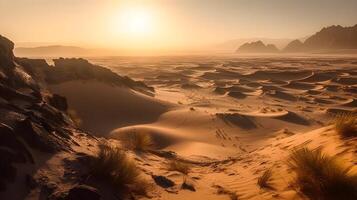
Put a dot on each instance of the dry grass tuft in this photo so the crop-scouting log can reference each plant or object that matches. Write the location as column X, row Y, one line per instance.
column 114, row 167
column 346, row 125
column 139, row 141
column 264, row 180
column 322, row 177
column 175, row 165
column 223, row 191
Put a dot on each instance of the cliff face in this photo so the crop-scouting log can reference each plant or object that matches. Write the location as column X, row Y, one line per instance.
column 257, row 47
column 30, row 120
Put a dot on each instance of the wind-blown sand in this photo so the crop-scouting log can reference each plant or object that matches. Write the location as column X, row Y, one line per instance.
column 231, row 118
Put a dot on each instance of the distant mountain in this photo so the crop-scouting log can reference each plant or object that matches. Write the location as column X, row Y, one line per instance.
column 233, row 44
column 294, row 46
column 257, row 47
column 329, row 39
column 53, row 50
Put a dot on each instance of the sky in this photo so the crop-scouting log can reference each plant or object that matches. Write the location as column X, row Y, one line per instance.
column 166, row 24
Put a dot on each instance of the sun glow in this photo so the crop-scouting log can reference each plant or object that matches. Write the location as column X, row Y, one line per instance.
column 136, row 22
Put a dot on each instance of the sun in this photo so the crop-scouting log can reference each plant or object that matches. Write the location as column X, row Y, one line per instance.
column 136, row 21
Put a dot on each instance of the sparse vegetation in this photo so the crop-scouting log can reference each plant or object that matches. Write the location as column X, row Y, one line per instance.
column 264, row 180
column 138, row 141
column 322, row 177
column 223, row 191
column 113, row 166
column 175, row 165
column 346, row 125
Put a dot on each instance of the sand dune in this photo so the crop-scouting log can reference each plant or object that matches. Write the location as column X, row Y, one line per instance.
column 230, row 119
column 103, row 108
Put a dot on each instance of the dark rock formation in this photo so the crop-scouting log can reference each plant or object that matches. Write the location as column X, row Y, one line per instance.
column 6, row 54
column 162, row 181
column 257, row 47
column 29, row 120
column 83, row 192
column 72, row 69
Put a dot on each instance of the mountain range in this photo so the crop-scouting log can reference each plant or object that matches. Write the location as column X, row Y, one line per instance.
column 328, row 40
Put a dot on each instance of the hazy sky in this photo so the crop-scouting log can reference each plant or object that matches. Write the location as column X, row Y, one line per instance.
column 164, row 24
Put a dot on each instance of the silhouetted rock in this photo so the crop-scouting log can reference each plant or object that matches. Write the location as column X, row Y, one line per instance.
column 257, row 47
column 72, row 69
column 329, row 38
column 333, row 37
column 294, row 46
column 6, row 54
column 83, row 192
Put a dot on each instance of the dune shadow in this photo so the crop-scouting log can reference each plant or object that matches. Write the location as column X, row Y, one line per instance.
column 294, row 118
column 236, row 119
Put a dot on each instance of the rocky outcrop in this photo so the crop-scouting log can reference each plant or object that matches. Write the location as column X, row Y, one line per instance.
column 257, row 47
column 72, row 69
column 6, row 54
column 31, row 120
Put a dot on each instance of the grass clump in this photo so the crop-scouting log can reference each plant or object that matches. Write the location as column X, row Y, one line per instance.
column 346, row 125
column 264, row 180
column 114, row 167
column 322, row 177
column 179, row 166
column 139, row 141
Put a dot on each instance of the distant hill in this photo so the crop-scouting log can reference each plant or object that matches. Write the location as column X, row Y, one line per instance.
column 257, row 47
column 53, row 50
column 294, row 46
column 329, row 39
column 233, row 44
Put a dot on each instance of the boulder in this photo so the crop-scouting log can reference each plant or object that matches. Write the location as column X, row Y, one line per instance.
column 83, row 192
column 162, row 181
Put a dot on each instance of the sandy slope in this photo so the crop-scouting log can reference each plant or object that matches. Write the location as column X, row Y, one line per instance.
column 102, row 107
column 231, row 118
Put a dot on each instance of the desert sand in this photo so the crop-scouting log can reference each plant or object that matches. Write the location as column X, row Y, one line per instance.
column 229, row 118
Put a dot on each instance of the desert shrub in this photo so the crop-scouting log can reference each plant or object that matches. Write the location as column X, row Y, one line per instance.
column 264, row 180
column 138, row 141
column 321, row 177
column 175, row 165
column 114, row 167
column 346, row 124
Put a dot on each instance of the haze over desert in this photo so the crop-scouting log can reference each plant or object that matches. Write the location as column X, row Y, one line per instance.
column 170, row 100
